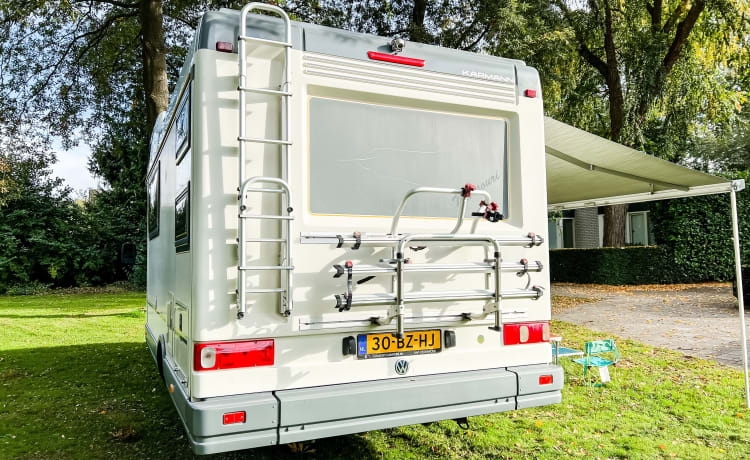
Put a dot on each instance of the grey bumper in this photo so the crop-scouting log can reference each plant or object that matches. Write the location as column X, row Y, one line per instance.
column 286, row 416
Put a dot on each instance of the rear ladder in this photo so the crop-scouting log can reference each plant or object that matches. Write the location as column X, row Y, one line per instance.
column 278, row 185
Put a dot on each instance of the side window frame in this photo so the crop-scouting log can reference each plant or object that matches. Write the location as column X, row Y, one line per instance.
column 155, row 177
column 182, row 239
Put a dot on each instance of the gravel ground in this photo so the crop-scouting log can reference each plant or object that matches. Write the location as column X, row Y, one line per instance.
column 698, row 320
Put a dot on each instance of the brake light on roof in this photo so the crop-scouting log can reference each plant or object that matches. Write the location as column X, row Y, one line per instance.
column 395, row 59
column 523, row 333
column 233, row 355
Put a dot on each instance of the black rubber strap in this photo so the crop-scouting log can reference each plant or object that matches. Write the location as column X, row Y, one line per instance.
column 341, row 241
column 358, row 238
column 365, row 279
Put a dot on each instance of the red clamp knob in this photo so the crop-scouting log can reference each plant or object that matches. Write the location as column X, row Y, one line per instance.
column 468, row 188
column 494, row 206
column 349, row 264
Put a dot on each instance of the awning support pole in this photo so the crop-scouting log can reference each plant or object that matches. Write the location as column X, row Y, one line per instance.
column 741, row 301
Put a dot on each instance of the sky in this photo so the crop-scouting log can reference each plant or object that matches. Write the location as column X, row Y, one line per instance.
column 72, row 166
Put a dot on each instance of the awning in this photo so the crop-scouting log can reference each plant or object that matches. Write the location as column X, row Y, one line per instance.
column 585, row 170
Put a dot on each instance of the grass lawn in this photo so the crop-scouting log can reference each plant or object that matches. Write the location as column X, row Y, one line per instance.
column 77, row 381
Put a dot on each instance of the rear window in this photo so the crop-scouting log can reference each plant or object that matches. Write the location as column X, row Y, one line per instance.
column 365, row 157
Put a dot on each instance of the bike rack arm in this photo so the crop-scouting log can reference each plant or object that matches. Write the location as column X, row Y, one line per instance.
column 449, row 191
column 400, row 260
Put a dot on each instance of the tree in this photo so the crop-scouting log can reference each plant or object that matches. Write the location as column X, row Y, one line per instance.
column 634, row 47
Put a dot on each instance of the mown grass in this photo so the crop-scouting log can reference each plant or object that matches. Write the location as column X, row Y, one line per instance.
column 76, row 381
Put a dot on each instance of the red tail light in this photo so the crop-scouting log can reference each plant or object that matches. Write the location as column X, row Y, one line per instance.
column 233, row 355
column 523, row 333
column 395, row 59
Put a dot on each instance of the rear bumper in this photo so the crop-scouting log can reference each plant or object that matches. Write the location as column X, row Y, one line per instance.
column 286, row 416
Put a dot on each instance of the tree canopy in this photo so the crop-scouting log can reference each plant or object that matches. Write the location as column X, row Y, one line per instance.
column 666, row 76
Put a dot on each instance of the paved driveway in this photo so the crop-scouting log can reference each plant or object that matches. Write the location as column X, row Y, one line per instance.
column 697, row 320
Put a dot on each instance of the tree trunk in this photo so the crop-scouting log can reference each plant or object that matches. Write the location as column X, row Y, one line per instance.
column 614, row 225
column 614, row 216
column 417, row 31
column 154, row 60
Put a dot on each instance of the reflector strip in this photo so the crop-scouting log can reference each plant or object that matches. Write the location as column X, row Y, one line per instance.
column 234, row 417
column 545, row 379
column 395, row 59
column 224, row 47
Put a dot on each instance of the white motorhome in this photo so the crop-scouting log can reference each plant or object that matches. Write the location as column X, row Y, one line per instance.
column 319, row 262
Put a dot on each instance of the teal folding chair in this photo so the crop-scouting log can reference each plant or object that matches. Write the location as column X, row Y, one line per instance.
column 592, row 356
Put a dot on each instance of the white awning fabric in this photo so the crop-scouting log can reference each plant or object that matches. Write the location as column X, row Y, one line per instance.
column 585, row 170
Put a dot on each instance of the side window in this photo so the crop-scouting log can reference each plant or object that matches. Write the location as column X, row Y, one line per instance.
column 182, row 125
column 154, row 203
column 182, row 176
column 182, row 221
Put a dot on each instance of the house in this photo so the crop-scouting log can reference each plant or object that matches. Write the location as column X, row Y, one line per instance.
column 584, row 228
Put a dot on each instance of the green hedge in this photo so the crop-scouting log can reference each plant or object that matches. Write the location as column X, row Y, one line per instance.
column 630, row 265
column 693, row 244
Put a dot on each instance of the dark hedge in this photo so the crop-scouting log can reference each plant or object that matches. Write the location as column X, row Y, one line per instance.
column 693, row 244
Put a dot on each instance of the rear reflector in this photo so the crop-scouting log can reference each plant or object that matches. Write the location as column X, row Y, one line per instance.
column 395, row 59
column 523, row 333
column 233, row 355
column 545, row 379
column 234, row 417
column 530, row 93
column 224, row 47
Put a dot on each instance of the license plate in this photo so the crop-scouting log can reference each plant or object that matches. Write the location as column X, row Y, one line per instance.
column 386, row 344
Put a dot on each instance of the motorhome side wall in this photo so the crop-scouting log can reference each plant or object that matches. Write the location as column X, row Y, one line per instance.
column 308, row 343
column 169, row 255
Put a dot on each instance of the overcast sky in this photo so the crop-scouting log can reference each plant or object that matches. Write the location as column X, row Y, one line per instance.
column 72, row 165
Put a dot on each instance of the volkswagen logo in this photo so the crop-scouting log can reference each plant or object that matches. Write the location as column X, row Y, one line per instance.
column 402, row 366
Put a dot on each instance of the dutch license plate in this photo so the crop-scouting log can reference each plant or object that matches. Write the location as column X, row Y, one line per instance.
column 386, row 344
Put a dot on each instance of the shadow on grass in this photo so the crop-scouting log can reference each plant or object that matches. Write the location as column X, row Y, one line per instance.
column 106, row 400
column 127, row 314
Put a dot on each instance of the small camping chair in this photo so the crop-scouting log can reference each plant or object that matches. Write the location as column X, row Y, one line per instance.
column 591, row 358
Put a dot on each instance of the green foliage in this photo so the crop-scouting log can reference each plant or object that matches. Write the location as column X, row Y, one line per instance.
column 629, row 265
column 694, row 244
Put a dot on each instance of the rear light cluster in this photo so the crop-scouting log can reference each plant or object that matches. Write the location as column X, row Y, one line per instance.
column 522, row 333
column 233, row 355
column 545, row 379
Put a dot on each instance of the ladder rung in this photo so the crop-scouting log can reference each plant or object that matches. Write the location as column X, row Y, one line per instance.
column 247, row 216
column 265, row 267
column 266, row 91
column 385, row 240
column 264, row 291
column 265, row 240
column 264, row 141
column 264, row 41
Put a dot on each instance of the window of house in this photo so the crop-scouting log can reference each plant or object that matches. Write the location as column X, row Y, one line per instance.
column 182, row 221
column 365, row 157
column 636, row 231
column 154, row 203
column 561, row 232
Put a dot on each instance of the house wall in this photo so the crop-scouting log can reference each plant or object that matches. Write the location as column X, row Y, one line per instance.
column 586, row 228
